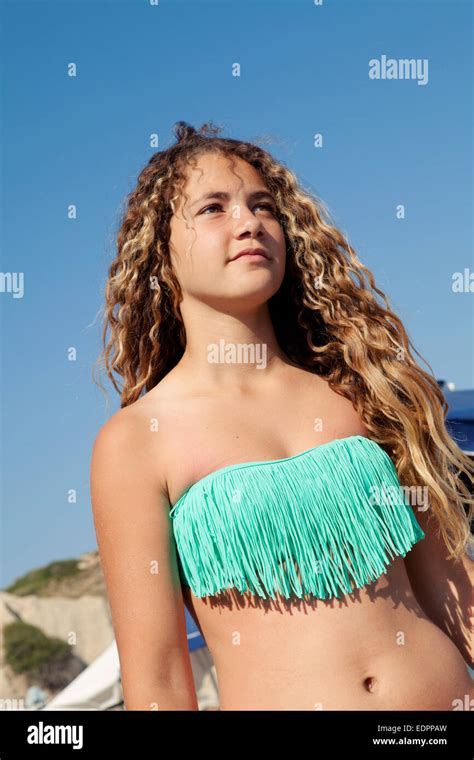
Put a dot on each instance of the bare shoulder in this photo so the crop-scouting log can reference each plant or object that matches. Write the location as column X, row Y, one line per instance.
column 128, row 437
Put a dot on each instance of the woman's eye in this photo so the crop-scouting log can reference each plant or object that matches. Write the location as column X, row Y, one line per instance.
column 209, row 207
column 268, row 206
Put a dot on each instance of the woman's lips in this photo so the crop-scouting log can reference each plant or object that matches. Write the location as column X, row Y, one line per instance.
column 251, row 256
column 252, row 253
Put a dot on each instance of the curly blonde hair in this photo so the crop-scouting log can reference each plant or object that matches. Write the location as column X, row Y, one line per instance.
column 325, row 315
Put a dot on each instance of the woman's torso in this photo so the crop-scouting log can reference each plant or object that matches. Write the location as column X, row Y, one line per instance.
column 374, row 649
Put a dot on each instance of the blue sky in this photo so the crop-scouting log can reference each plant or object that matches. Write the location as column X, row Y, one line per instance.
column 83, row 140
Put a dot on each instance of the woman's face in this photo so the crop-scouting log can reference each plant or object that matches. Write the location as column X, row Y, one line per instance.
column 209, row 230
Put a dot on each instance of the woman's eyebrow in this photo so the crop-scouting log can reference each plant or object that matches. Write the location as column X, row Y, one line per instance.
column 256, row 194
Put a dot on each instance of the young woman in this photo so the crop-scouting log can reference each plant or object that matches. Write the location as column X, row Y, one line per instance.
column 270, row 408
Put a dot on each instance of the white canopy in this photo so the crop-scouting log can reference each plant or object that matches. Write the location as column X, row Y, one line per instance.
column 98, row 687
column 95, row 688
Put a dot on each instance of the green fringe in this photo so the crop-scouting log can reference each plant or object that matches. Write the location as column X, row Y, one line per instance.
column 244, row 526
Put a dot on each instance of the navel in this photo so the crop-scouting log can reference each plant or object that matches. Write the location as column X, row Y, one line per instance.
column 370, row 684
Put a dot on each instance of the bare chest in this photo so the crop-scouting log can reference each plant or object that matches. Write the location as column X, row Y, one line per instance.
column 201, row 436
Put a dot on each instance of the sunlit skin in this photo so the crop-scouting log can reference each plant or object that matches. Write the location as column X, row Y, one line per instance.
column 375, row 649
column 225, row 299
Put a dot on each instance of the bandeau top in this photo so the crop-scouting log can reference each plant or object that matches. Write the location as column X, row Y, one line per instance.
column 337, row 510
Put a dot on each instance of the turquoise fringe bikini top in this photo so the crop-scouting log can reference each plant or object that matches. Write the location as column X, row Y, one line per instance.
column 337, row 510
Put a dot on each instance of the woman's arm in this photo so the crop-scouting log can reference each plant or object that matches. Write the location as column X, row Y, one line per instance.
column 138, row 557
column 443, row 587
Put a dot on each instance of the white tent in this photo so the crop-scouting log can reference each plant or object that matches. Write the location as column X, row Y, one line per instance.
column 98, row 686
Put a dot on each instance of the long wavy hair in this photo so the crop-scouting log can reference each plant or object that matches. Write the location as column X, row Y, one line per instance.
column 326, row 318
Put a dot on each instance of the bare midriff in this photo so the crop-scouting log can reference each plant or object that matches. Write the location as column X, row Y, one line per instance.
column 374, row 649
